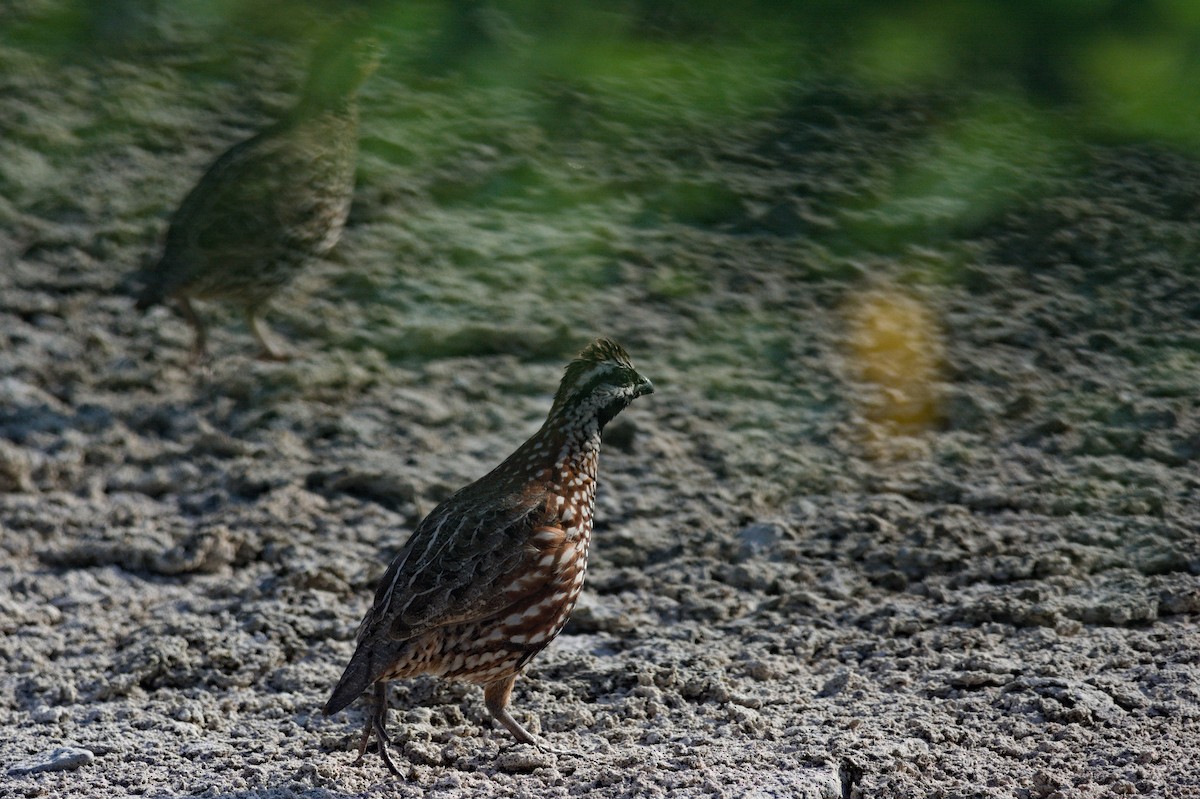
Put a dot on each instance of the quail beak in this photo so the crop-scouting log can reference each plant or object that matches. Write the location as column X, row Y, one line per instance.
column 644, row 387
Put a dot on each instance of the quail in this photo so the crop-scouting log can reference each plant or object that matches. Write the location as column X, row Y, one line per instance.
column 490, row 576
column 270, row 203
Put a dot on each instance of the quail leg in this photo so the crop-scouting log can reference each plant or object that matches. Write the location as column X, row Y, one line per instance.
column 496, row 696
column 377, row 721
column 268, row 349
column 199, row 355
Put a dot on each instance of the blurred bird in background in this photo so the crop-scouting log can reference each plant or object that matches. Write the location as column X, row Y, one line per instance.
column 271, row 203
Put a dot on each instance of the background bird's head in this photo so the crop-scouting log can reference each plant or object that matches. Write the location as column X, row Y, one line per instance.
column 599, row 383
column 341, row 61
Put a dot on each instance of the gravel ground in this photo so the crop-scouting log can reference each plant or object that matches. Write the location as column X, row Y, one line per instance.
column 912, row 512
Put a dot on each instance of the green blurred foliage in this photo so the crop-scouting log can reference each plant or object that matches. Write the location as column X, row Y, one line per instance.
column 620, row 73
column 1133, row 65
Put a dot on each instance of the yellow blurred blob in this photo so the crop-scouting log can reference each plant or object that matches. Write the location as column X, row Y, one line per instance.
column 896, row 348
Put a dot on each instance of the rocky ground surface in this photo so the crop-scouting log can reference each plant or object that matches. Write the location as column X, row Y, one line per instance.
column 914, row 510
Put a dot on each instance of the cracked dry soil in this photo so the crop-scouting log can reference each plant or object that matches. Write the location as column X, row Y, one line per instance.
column 927, row 513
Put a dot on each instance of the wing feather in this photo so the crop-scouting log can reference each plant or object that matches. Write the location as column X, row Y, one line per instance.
column 454, row 565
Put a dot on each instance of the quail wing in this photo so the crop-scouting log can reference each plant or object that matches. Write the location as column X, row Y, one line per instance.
column 455, row 568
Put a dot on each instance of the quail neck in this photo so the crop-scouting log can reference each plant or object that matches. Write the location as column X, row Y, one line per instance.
column 564, row 454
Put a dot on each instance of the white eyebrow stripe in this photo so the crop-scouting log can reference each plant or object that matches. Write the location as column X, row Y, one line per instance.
column 594, row 372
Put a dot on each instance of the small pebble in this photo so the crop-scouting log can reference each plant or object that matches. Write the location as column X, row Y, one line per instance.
column 64, row 758
column 50, row 715
column 516, row 761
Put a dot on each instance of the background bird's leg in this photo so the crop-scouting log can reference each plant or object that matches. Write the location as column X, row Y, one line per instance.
column 378, row 722
column 199, row 354
column 268, row 349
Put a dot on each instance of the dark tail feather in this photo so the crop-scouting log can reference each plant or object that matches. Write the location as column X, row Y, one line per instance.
column 355, row 680
column 143, row 285
column 151, row 294
column 156, row 280
column 365, row 667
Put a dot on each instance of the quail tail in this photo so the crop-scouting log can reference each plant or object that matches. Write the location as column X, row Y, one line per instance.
column 354, row 681
column 151, row 293
column 368, row 663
